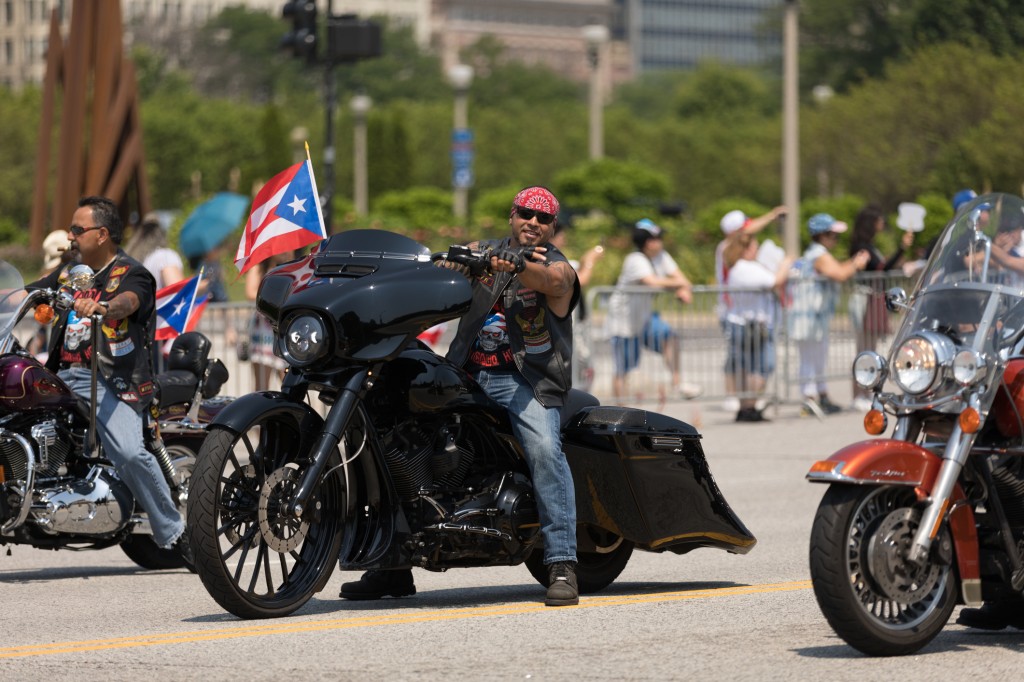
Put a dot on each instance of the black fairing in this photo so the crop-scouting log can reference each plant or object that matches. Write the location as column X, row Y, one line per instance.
column 378, row 289
column 644, row 476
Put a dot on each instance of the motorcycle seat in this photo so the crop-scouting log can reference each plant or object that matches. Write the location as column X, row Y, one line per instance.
column 186, row 363
column 175, row 386
column 575, row 401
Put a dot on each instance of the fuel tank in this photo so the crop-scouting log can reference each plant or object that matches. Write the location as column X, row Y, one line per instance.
column 25, row 385
column 1008, row 407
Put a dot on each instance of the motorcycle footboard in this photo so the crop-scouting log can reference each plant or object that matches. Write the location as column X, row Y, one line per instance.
column 644, row 476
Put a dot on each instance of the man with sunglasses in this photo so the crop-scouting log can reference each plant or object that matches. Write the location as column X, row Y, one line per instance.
column 124, row 293
column 529, row 295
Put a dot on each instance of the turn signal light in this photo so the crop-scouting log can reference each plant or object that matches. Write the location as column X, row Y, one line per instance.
column 875, row 422
column 970, row 420
column 44, row 314
column 823, row 466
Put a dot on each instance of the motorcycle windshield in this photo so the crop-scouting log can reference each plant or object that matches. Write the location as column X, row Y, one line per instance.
column 375, row 244
column 972, row 289
column 11, row 295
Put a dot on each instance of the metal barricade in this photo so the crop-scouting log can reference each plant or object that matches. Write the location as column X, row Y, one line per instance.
column 860, row 321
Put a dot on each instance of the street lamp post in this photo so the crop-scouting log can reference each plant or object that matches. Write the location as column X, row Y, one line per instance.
column 460, row 76
column 790, row 129
column 596, row 35
column 360, row 191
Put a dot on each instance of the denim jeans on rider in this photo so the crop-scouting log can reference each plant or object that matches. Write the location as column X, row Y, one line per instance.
column 538, row 430
column 120, row 429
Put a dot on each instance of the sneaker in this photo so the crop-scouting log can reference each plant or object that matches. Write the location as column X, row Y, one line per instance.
column 827, row 406
column 689, row 391
column 861, row 404
column 751, row 414
column 810, row 408
column 377, row 584
column 562, row 589
column 731, row 404
column 994, row 615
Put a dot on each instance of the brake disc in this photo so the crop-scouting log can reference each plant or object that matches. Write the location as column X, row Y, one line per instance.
column 887, row 549
column 280, row 530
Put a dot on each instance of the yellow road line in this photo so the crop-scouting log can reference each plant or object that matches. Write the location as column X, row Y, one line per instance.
column 376, row 620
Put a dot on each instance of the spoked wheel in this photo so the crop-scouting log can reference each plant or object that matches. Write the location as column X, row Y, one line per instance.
column 874, row 599
column 255, row 559
column 602, row 556
column 142, row 549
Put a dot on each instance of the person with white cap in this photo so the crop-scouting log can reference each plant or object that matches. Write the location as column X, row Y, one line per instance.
column 814, row 294
column 733, row 224
column 632, row 323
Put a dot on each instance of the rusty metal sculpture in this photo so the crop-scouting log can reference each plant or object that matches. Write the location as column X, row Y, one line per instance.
column 100, row 135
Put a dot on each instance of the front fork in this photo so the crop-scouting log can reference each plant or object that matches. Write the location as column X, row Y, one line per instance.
column 953, row 457
column 334, row 426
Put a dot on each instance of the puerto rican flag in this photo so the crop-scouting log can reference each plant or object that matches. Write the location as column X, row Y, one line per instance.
column 285, row 216
column 178, row 308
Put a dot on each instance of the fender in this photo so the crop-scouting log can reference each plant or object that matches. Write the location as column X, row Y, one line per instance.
column 243, row 411
column 884, row 461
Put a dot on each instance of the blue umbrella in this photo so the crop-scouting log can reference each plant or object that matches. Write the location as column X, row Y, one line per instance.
column 211, row 223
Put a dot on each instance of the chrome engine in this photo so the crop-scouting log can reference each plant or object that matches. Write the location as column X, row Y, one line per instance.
column 98, row 505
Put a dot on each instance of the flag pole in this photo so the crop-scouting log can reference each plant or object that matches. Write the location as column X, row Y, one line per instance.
column 195, row 292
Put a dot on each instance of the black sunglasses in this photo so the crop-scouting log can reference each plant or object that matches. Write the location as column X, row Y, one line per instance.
column 78, row 230
column 528, row 214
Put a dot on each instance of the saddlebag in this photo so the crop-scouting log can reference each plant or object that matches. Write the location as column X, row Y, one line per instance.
column 643, row 476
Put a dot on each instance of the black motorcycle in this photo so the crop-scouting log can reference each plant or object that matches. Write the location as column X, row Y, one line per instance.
column 57, row 489
column 414, row 465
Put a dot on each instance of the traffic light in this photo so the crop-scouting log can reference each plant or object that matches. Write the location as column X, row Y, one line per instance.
column 350, row 39
column 302, row 39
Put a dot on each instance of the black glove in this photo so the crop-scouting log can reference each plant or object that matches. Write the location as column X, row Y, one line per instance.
column 515, row 255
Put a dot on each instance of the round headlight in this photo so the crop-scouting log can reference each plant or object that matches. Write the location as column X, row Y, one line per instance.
column 869, row 370
column 305, row 340
column 917, row 363
column 968, row 367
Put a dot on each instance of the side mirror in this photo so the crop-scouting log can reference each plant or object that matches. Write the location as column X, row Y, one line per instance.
column 81, row 277
column 896, row 299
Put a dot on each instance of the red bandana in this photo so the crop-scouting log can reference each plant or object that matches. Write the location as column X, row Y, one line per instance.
column 537, row 198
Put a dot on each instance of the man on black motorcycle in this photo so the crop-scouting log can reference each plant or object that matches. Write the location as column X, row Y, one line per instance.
column 516, row 340
column 124, row 292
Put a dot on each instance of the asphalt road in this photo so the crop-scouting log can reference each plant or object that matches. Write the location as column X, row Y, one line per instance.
column 707, row 615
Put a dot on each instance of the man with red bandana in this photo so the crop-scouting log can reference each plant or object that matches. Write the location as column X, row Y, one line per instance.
column 516, row 340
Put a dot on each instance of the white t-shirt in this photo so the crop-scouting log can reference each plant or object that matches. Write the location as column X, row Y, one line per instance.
column 160, row 259
column 628, row 311
column 749, row 305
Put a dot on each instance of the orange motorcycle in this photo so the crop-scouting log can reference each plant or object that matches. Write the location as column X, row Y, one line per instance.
column 933, row 515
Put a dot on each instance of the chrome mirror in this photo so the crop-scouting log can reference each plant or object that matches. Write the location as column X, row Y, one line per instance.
column 896, row 299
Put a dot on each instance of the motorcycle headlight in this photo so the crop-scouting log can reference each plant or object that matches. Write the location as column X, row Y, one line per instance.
column 917, row 363
column 305, row 340
column 968, row 367
column 869, row 370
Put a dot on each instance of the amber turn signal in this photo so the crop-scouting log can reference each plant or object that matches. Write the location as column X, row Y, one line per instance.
column 44, row 314
column 875, row 422
column 823, row 466
column 970, row 420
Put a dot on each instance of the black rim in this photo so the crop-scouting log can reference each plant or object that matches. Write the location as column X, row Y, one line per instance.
column 270, row 556
column 892, row 593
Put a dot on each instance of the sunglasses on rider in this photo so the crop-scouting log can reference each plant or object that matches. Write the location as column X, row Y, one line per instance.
column 529, row 213
column 78, row 230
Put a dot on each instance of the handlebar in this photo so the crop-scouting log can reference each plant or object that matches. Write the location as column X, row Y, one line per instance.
column 476, row 261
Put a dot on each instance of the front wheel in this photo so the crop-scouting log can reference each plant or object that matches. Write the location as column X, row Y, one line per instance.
column 597, row 568
column 876, row 601
column 256, row 560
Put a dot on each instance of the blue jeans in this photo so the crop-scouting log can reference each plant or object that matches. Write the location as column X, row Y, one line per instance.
column 538, row 430
column 120, row 431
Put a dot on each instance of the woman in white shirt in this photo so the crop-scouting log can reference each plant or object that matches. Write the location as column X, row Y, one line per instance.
column 750, row 321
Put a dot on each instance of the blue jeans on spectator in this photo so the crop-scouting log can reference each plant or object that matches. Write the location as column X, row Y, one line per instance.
column 120, row 431
column 538, row 430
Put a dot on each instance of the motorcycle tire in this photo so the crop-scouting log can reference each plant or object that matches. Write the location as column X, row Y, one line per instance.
column 142, row 549
column 874, row 600
column 255, row 561
column 595, row 570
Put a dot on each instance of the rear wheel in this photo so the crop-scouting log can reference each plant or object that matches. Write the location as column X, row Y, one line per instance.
column 606, row 556
column 142, row 549
column 255, row 559
column 875, row 600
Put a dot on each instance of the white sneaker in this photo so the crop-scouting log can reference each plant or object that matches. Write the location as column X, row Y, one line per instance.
column 689, row 391
column 761, row 404
column 731, row 404
column 861, row 404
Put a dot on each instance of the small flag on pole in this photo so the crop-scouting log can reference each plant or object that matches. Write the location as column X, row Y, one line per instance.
column 285, row 216
column 178, row 308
